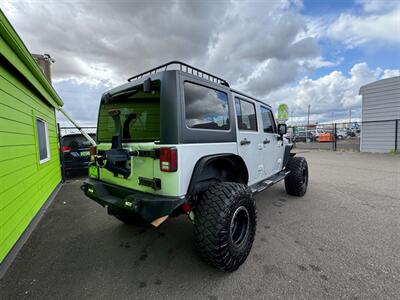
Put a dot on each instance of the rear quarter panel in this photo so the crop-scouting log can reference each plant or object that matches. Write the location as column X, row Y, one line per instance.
column 190, row 154
column 172, row 183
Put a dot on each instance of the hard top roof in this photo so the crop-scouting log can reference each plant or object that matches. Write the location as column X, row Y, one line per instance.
column 183, row 67
column 15, row 52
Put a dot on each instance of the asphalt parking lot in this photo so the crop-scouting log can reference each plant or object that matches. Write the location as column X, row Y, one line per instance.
column 342, row 240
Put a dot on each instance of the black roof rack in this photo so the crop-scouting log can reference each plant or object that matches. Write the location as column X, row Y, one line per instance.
column 185, row 68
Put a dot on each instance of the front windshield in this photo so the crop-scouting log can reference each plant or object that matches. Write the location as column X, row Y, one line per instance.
column 139, row 115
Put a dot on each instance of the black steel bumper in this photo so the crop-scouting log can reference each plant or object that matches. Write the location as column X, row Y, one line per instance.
column 149, row 206
column 75, row 165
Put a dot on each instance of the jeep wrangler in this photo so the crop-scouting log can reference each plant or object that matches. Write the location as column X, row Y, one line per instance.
column 178, row 140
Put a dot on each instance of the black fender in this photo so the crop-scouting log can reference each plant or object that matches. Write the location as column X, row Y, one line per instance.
column 218, row 167
column 287, row 154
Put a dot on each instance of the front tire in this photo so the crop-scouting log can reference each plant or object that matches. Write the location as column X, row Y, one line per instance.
column 225, row 225
column 297, row 181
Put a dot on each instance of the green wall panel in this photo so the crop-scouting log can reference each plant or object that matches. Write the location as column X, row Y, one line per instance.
column 25, row 184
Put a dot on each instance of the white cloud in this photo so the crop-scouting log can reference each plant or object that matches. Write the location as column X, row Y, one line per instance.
column 379, row 5
column 100, row 44
column 390, row 73
column 263, row 43
column 335, row 92
column 320, row 62
column 375, row 22
column 355, row 30
column 259, row 47
column 108, row 42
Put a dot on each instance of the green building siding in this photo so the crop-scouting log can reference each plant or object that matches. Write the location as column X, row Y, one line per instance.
column 25, row 95
column 24, row 183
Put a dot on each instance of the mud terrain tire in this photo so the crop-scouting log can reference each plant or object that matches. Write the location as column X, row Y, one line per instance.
column 297, row 181
column 225, row 225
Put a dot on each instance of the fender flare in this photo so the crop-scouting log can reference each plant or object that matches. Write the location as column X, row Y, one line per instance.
column 287, row 154
column 204, row 173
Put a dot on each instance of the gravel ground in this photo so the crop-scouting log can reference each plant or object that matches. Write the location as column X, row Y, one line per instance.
column 342, row 240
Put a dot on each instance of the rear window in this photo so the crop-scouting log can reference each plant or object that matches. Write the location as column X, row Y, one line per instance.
column 76, row 141
column 139, row 114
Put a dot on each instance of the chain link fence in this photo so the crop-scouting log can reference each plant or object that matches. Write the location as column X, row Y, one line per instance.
column 372, row 136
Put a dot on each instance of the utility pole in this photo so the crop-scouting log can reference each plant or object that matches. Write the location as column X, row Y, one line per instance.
column 350, row 116
column 291, row 117
column 308, row 122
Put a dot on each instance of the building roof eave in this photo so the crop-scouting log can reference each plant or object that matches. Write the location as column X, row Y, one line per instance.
column 14, row 50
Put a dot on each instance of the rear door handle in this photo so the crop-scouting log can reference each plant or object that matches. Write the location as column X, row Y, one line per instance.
column 244, row 142
column 266, row 141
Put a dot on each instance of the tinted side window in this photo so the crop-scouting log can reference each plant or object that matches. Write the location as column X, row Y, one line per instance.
column 268, row 120
column 206, row 108
column 246, row 115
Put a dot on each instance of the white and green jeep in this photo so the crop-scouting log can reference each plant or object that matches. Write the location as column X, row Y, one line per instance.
column 178, row 140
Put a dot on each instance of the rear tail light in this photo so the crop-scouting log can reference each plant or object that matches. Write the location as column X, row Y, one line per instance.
column 186, row 208
column 93, row 150
column 66, row 149
column 168, row 159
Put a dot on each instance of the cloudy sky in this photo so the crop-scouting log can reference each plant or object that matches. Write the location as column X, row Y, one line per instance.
column 296, row 52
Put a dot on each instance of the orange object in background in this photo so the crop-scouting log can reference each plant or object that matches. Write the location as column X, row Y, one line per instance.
column 325, row 137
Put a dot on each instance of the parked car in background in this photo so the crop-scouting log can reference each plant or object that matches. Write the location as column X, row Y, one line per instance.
column 301, row 136
column 341, row 133
column 75, row 152
column 318, row 132
column 352, row 132
column 325, row 137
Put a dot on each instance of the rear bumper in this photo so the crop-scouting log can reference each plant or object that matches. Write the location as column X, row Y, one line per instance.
column 149, row 206
column 75, row 165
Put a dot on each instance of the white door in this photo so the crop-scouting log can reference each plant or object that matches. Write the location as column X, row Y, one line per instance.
column 272, row 146
column 249, row 139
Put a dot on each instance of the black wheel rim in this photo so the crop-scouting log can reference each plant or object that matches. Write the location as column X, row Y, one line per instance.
column 239, row 225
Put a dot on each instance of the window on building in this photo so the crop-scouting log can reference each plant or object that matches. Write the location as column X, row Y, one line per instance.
column 206, row 108
column 43, row 140
column 268, row 120
column 246, row 115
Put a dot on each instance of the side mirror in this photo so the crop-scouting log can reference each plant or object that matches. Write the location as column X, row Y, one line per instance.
column 282, row 129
